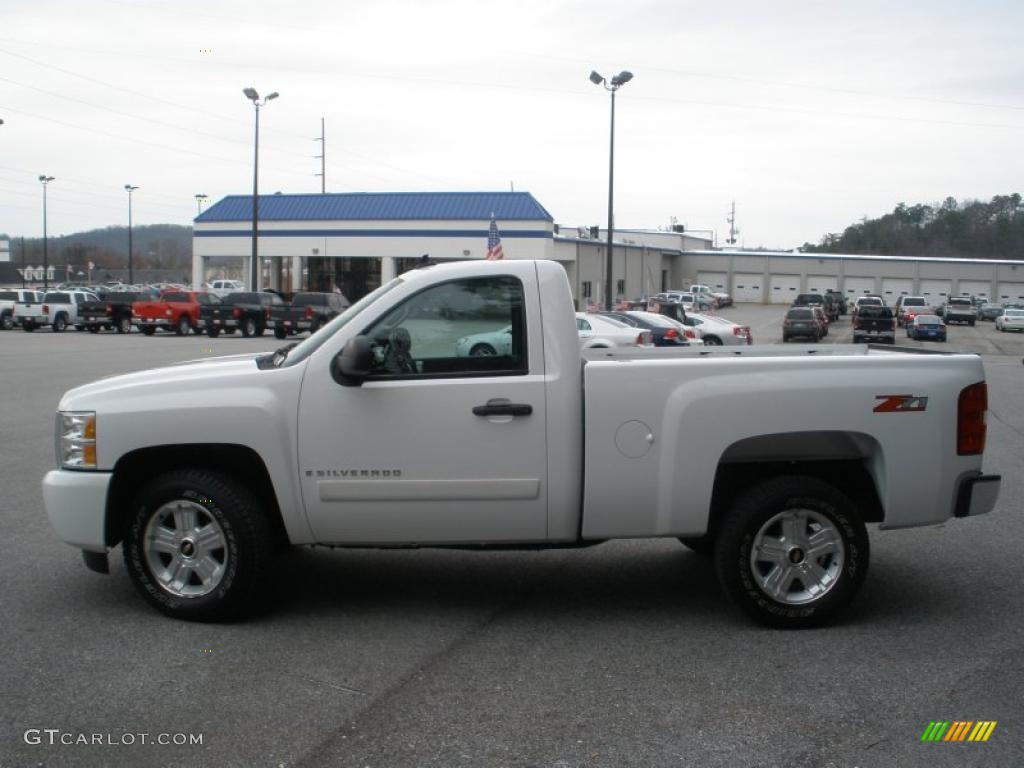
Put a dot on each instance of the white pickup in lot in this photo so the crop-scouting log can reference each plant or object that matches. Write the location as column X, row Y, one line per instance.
column 58, row 309
column 16, row 296
column 375, row 431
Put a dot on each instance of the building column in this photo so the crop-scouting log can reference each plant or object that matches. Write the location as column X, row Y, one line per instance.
column 198, row 269
column 296, row 274
column 387, row 269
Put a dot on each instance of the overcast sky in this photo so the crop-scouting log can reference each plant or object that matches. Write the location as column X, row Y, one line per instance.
column 809, row 114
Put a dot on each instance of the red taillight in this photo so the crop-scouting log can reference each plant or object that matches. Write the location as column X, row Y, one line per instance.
column 970, row 419
column 46, row 309
column 640, row 340
column 110, row 309
column 309, row 313
column 236, row 312
column 671, row 333
column 689, row 333
column 266, row 313
column 856, row 323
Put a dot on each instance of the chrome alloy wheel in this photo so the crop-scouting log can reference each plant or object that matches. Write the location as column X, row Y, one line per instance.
column 185, row 549
column 797, row 556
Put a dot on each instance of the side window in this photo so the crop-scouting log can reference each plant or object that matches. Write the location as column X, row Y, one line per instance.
column 474, row 326
column 582, row 325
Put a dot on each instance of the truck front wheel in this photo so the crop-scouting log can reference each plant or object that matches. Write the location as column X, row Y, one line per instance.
column 792, row 552
column 198, row 546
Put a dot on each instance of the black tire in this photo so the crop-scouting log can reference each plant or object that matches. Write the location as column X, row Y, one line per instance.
column 241, row 551
column 60, row 322
column 815, row 502
column 6, row 321
column 212, row 332
column 248, row 326
column 183, row 326
column 712, row 341
column 280, row 333
column 482, row 350
column 93, row 328
column 148, row 330
column 124, row 325
column 702, row 545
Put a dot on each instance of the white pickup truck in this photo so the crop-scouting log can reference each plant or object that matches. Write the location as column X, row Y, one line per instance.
column 58, row 309
column 9, row 298
column 377, row 431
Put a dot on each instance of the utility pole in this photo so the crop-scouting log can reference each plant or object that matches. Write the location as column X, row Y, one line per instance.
column 322, row 157
column 731, row 219
column 24, row 263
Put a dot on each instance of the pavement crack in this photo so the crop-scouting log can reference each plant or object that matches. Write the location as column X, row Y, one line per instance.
column 336, row 686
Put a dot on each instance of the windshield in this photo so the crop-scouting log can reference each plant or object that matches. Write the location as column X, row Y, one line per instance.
column 310, row 345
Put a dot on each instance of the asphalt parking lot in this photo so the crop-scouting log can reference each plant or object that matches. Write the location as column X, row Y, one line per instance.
column 624, row 654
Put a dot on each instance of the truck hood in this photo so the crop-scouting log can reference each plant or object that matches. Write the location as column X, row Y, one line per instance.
column 189, row 376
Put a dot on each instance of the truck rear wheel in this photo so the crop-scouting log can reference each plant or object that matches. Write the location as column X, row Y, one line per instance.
column 248, row 327
column 6, row 321
column 124, row 325
column 280, row 333
column 198, row 546
column 183, row 327
column 59, row 323
column 792, row 552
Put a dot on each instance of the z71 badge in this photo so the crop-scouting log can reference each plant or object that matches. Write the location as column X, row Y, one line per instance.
column 900, row 403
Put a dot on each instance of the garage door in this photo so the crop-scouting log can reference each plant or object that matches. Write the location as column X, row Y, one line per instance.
column 747, row 287
column 975, row 288
column 821, row 283
column 1011, row 292
column 784, row 288
column 935, row 291
column 719, row 281
column 858, row 286
column 894, row 287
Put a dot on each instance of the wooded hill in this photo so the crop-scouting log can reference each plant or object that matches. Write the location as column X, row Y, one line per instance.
column 162, row 246
column 970, row 229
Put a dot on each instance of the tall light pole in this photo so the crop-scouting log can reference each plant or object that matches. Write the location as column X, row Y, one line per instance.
column 199, row 202
column 616, row 82
column 44, row 179
column 252, row 95
column 129, row 188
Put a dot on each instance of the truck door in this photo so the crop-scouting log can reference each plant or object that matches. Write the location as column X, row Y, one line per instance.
column 445, row 442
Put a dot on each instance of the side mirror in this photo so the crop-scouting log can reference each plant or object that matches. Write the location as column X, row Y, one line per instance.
column 354, row 363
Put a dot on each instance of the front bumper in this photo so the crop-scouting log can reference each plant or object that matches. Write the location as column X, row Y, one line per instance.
column 76, row 503
column 977, row 495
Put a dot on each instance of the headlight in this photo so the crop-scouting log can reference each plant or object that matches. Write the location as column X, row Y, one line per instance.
column 76, row 439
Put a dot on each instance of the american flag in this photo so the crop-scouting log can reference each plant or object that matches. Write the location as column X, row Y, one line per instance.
column 494, row 251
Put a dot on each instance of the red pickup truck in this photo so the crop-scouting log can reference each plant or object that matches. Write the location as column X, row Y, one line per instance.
column 176, row 311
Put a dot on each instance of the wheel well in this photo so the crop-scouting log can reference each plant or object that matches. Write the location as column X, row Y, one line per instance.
column 135, row 469
column 851, row 476
column 847, row 460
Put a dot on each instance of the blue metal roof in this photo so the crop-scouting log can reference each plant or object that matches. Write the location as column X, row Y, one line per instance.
column 374, row 206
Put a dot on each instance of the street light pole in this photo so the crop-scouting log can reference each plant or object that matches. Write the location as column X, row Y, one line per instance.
column 616, row 82
column 44, row 179
column 253, row 96
column 130, row 189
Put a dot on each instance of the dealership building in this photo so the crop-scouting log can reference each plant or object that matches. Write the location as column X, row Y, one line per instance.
column 357, row 241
